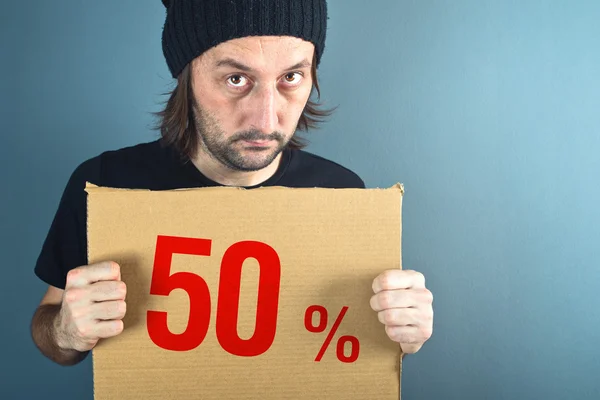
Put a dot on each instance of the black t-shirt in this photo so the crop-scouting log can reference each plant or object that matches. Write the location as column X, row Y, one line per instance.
column 155, row 166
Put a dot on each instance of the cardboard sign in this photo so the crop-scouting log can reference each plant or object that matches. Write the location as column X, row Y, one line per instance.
column 247, row 294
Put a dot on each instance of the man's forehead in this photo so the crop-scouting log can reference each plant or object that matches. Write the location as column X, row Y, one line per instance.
column 255, row 53
column 274, row 48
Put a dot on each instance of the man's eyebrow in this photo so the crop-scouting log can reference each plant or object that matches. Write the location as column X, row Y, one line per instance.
column 302, row 64
column 230, row 62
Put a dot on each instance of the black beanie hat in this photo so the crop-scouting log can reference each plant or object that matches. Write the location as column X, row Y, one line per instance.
column 194, row 26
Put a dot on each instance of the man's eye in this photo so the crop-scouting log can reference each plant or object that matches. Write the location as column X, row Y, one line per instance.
column 293, row 77
column 237, row 80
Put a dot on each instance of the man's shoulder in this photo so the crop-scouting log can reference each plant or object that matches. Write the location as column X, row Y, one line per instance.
column 134, row 155
column 129, row 160
column 327, row 172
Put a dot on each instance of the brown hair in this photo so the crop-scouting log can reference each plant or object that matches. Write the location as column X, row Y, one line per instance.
column 177, row 126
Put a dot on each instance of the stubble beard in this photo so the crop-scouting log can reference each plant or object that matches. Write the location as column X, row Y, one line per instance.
column 213, row 142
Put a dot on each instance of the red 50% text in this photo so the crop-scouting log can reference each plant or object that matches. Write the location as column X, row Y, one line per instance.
column 227, row 310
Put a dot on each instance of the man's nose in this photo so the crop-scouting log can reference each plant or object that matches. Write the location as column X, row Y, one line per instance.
column 264, row 113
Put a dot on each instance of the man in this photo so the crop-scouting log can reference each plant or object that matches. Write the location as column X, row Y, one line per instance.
column 245, row 71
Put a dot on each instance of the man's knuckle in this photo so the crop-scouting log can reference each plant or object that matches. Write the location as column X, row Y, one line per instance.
column 82, row 330
column 117, row 327
column 385, row 300
column 374, row 302
column 387, row 317
column 72, row 295
column 392, row 332
column 73, row 274
column 77, row 315
column 427, row 332
column 427, row 295
column 428, row 316
column 122, row 308
column 400, row 335
column 114, row 268
column 111, row 309
column 386, row 279
column 419, row 277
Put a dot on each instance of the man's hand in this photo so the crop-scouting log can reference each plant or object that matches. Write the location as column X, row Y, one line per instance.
column 404, row 305
column 92, row 308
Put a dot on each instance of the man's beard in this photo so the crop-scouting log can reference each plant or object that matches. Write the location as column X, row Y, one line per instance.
column 212, row 140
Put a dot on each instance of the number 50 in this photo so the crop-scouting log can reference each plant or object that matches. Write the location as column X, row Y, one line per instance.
column 163, row 282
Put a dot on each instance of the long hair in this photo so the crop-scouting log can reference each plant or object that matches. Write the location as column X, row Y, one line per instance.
column 177, row 126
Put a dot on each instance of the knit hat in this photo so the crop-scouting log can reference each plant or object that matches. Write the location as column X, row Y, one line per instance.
column 194, row 26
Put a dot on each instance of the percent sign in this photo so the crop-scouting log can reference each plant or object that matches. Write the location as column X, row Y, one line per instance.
column 322, row 311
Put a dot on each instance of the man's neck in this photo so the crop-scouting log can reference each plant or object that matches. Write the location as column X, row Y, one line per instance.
column 219, row 173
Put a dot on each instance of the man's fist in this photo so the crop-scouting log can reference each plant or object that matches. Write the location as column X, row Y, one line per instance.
column 93, row 306
column 404, row 305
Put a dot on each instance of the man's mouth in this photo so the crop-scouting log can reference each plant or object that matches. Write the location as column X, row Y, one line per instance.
column 259, row 143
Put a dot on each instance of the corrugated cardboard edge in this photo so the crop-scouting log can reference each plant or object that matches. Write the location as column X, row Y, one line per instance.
column 90, row 187
column 87, row 236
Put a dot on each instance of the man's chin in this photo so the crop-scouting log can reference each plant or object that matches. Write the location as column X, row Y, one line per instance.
column 254, row 159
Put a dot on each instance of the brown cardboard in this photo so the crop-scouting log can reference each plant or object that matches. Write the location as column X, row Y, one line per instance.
column 330, row 245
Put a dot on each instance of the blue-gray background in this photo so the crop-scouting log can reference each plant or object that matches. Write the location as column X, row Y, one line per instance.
column 487, row 111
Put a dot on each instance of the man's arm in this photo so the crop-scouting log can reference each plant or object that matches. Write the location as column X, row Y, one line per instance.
column 44, row 330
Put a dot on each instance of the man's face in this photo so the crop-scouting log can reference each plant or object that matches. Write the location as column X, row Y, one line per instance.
column 249, row 95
